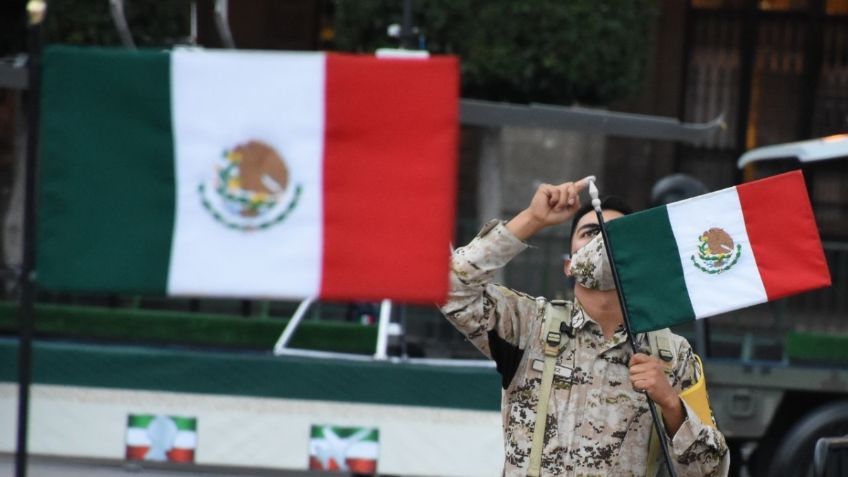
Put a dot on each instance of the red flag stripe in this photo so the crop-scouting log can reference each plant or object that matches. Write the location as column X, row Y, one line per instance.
column 181, row 455
column 783, row 235
column 136, row 452
column 391, row 128
column 362, row 466
column 174, row 455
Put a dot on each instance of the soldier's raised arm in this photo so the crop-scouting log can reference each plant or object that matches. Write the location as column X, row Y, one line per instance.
column 480, row 308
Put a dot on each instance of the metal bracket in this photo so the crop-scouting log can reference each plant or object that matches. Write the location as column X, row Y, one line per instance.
column 573, row 118
column 384, row 328
column 13, row 72
column 116, row 7
column 222, row 23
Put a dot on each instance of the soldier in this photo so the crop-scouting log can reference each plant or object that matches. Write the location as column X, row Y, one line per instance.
column 598, row 422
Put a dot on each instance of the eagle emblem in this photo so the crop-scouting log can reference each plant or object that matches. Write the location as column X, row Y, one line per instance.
column 251, row 188
column 717, row 252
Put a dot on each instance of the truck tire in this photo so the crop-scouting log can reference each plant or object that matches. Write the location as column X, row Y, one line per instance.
column 793, row 457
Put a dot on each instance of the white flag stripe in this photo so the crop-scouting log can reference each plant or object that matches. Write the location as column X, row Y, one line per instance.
column 213, row 111
column 364, row 450
column 737, row 287
column 137, row 437
column 359, row 450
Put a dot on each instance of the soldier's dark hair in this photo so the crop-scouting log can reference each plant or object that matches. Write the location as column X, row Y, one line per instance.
column 607, row 203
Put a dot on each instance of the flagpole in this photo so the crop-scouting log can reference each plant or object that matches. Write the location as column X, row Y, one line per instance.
column 36, row 10
column 658, row 425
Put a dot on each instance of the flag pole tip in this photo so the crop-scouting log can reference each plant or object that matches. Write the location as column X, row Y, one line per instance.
column 593, row 193
column 36, row 9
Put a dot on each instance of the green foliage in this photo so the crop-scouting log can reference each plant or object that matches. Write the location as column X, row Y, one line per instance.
column 88, row 22
column 551, row 51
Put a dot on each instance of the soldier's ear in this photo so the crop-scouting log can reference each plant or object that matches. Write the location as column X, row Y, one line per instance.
column 566, row 266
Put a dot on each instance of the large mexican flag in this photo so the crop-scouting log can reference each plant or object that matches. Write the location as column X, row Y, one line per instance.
column 247, row 174
column 718, row 252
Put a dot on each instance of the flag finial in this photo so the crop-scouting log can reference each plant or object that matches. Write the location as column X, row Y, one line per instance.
column 593, row 193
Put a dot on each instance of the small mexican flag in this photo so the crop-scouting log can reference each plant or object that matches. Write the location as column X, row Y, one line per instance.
column 247, row 174
column 718, row 252
column 161, row 438
column 344, row 449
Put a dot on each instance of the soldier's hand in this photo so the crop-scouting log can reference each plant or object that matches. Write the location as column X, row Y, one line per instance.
column 648, row 374
column 551, row 205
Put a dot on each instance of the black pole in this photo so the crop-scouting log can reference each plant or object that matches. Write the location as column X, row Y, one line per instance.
column 406, row 34
column 658, row 425
column 26, row 317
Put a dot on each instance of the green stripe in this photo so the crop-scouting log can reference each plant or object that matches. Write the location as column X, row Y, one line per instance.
column 136, row 420
column 649, row 268
column 144, row 420
column 256, row 375
column 107, row 198
column 344, row 432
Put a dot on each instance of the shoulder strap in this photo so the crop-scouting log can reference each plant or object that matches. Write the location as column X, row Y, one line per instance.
column 661, row 344
column 554, row 340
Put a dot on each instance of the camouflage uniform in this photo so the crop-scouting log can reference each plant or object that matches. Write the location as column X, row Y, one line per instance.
column 597, row 424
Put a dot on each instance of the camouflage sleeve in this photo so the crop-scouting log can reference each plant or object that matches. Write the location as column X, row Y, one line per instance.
column 699, row 448
column 476, row 306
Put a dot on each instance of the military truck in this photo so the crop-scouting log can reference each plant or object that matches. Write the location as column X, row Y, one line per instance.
column 777, row 373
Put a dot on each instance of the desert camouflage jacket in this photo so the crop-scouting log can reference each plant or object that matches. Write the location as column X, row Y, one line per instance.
column 597, row 425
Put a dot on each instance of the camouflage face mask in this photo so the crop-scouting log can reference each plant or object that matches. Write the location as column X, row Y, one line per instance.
column 590, row 266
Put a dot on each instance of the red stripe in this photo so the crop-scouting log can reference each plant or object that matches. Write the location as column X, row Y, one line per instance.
column 136, row 452
column 174, row 455
column 362, row 466
column 391, row 133
column 783, row 235
column 181, row 455
column 315, row 464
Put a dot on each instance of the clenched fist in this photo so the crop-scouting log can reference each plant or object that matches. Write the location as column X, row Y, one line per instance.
column 551, row 205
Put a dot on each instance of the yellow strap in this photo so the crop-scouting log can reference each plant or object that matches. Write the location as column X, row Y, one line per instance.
column 696, row 397
column 553, row 340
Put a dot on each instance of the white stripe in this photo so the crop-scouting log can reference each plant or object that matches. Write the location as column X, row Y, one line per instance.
column 739, row 286
column 364, row 450
column 359, row 450
column 137, row 437
column 185, row 440
column 219, row 101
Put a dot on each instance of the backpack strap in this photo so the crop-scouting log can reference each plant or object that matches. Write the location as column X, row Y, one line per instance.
column 554, row 340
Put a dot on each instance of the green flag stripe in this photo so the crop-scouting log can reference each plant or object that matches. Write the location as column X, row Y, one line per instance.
column 124, row 179
column 144, row 420
column 135, row 420
column 649, row 268
column 345, row 432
